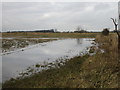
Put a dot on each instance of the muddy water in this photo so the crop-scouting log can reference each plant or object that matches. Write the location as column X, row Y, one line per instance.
column 18, row 61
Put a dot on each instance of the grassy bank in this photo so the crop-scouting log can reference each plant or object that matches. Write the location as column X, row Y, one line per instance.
column 97, row 71
column 55, row 77
column 49, row 35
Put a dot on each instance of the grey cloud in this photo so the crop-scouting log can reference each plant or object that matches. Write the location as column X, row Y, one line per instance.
column 0, row 16
column 61, row 15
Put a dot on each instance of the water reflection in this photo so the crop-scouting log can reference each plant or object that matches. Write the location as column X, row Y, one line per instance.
column 17, row 62
column 79, row 41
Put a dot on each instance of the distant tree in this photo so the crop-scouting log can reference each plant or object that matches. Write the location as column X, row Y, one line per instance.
column 55, row 30
column 105, row 31
column 79, row 29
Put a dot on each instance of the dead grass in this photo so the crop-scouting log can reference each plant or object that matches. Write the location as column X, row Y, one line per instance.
column 103, row 67
column 49, row 35
column 97, row 71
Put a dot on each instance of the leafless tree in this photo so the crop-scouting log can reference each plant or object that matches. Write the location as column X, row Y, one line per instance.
column 79, row 28
column 116, row 30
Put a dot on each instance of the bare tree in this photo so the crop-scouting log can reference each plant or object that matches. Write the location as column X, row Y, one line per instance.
column 116, row 30
column 79, row 28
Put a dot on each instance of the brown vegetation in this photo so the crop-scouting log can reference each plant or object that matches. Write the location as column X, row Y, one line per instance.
column 49, row 35
column 97, row 71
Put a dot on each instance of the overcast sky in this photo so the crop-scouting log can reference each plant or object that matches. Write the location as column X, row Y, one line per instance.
column 61, row 15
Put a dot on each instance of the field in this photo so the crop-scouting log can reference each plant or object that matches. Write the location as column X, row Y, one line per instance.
column 48, row 35
column 97, row 71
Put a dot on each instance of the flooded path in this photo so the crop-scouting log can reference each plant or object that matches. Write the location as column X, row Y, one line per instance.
column 19, row 60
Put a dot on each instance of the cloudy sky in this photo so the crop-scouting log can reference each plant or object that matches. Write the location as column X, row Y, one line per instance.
column 61, row 15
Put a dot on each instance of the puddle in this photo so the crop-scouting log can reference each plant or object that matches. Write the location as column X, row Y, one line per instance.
column 18, row 61
column 9, row 44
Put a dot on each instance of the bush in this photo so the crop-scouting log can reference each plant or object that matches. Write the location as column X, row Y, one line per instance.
column 105, row 31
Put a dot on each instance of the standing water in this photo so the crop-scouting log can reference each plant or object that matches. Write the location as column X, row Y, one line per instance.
column 18, row 61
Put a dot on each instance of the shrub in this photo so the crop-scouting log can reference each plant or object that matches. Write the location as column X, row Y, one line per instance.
column 105, row 31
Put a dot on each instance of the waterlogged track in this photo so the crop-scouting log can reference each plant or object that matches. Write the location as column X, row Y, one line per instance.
column 18, row 61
